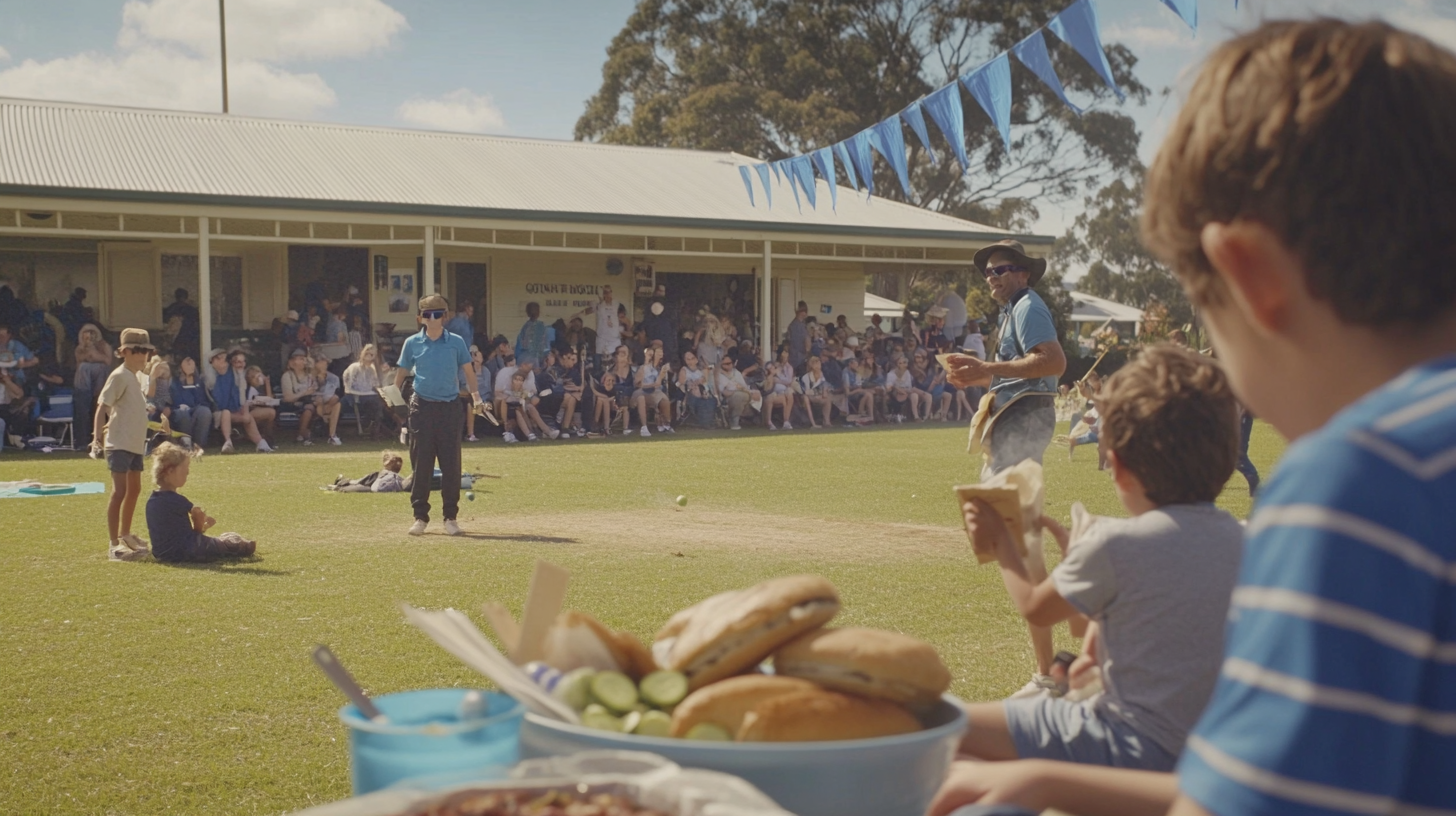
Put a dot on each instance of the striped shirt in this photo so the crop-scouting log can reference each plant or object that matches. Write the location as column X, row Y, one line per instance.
column 1338, row 689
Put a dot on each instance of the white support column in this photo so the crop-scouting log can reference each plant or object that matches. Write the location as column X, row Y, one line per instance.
column 427, row 286
column 766, row 319
column 204, row 285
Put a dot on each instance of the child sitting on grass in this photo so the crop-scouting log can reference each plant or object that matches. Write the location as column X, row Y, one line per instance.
column 177, row 527
column 1157, row 584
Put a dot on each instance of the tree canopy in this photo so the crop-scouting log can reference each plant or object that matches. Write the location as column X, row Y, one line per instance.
column 777, row 78
column 1106, row 238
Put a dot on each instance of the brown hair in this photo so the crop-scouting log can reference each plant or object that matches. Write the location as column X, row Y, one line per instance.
column 1171, row 418
column 391, row 461
column 1338, row 137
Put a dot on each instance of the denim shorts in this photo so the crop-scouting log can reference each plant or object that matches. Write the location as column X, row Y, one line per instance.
column 1051, row 728
column 120, row 461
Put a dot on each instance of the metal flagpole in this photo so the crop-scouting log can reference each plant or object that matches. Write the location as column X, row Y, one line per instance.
column 222, row 32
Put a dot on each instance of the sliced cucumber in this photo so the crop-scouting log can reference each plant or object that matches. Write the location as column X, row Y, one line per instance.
column 601, row 720
column 614, row 690
column 664, row 689
column 574, row 688
column 710, row 732
column 654, row 724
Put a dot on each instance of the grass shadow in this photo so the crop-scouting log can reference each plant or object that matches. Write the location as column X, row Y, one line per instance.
column 544, row 539
column 238, row 566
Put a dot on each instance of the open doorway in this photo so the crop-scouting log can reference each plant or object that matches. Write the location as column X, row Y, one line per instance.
column 686, row 294
column 468, row 286
column 318, row 273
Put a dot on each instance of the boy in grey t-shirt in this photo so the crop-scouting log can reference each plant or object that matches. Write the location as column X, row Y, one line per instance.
column 1157, row 585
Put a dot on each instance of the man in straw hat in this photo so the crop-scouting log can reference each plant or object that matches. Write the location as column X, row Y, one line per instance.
column 121, row 420
column 1022, row 403
column 437, row 358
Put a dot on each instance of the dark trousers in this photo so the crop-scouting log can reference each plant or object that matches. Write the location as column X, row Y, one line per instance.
column 434, row 436
column 1021, row 431
column 1245, row 466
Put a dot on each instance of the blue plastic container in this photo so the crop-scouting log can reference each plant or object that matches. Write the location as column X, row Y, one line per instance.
column 887, row 776
column 425, row 735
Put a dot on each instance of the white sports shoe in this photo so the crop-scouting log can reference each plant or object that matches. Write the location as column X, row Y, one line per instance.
column 646, row 432
column 553, row 433
column 1039, row 685
column 227, row 447
column 451, row 528
column 264, row 447
column 334, row 440
column 508, row 436
column 418, row 528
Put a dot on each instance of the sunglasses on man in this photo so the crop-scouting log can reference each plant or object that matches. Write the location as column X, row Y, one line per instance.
column 433, row 314
column 998, row 271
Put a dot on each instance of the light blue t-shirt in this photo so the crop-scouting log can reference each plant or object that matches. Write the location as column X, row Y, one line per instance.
column 1027, row 323
column 435, row 363
column 16, row 352
column 1338, row 687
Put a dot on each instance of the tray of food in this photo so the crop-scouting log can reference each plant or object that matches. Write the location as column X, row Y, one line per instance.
column 752, row 682
column 593, row 783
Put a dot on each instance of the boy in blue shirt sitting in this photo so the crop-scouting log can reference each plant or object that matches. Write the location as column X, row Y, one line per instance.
column 177, row 527
column 1304, row 199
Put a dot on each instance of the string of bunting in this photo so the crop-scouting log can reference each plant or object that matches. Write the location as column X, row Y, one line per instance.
column 989, row 84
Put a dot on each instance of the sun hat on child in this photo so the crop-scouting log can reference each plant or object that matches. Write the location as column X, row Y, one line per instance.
column 135, row 338
column 433, row 302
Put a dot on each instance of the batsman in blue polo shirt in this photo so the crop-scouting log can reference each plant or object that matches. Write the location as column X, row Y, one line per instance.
column 437, row 358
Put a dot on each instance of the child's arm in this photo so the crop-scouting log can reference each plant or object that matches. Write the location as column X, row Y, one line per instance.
column 1038, row 784
column 98, row 438
column 1078, row 622
column 201, row 521
column 1040, row 604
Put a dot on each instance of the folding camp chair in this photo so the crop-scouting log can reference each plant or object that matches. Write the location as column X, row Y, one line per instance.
column 61, row 414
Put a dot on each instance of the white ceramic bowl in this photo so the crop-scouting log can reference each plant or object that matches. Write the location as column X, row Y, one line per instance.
column 887, row 776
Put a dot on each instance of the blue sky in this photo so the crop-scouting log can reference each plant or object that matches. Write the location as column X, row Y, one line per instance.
column 524, row 68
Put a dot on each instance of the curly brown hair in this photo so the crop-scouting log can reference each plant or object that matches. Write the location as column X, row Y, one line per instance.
column 1172, row 419
column 1338, row 137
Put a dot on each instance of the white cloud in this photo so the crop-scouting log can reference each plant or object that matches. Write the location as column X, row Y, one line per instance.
column 1148, row 36
column 4, row 55
column 459, row 110
column 166, row 56
column 267, row 30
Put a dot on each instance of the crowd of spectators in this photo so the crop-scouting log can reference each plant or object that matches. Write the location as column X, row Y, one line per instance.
column 597, row 373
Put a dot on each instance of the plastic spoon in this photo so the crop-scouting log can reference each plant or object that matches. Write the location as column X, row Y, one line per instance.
column 345, row 682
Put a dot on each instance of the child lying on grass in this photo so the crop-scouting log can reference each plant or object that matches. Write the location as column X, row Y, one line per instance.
column 384, row 480
column 177, row 527
column 1157, row 584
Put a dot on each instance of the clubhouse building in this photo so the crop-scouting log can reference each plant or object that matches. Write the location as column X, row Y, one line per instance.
column 247, row 214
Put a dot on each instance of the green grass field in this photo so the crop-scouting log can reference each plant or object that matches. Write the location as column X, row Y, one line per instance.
column 147, row 689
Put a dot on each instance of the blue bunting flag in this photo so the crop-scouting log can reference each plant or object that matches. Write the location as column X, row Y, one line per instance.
column 748, row 183
column 841, row 149
column 824, row 160
column 767, row 188
column 1188, row 10
column 1077, row 27
column 1032, row 52
column 944, row 106
column 859, row 156
column 890, row 142
column 916, row 120
column 991, row 86
column 803, row 169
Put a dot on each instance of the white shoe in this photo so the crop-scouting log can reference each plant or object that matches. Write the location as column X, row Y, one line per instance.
column 1040, row 684
column 227, row 447
column 773, row 427
column 787, row 426
column 669, row 429
column 581, row 433
column 646, row 432
column 121, row 552
column 418, row 528
column 264, row 447
column 735, row 427
column 471, row 438
column 334, row 440
column 508, row 437
column 553, row 433
column 530, row 437
column 451, row 528
column 404, row 436
column 136, row 544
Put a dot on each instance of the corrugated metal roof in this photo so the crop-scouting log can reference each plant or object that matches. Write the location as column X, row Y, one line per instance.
column 49, row 148
column 1092, row 309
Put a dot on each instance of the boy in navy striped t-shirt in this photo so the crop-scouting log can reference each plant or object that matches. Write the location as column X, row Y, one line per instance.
column 1305, row 197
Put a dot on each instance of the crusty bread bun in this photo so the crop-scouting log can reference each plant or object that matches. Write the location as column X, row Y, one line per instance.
column 576, row 640
column 724, row 703
column 870, row 662
column 732, row 632
column 819, row 715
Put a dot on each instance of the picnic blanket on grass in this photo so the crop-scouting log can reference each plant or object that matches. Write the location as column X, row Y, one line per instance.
column 17, row 490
